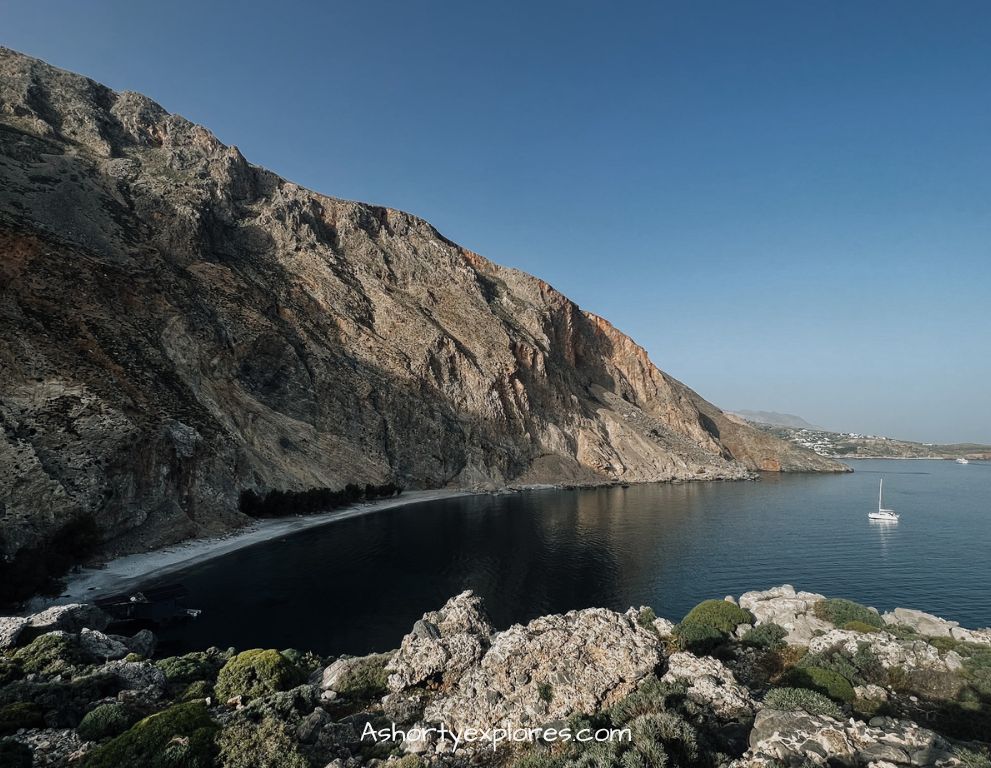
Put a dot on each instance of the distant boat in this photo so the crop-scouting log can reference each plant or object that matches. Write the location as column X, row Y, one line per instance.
column 882, row 513
column 962, row 460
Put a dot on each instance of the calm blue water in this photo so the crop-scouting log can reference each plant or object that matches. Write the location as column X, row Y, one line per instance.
column 357, row 585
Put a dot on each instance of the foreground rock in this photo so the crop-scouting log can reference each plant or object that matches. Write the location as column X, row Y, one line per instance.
column 550, row 669
column 873, row 695
column 798, row 738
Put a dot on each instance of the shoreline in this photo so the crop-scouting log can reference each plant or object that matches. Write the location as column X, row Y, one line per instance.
column 120, row 573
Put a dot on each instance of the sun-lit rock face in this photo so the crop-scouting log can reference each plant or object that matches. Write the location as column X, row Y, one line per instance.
column 178, row 325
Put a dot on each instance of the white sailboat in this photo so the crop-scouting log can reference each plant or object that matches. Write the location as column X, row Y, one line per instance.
column 882, row 513
column 962, row 460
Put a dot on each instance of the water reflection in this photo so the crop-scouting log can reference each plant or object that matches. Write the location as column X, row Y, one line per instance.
column 358, row 584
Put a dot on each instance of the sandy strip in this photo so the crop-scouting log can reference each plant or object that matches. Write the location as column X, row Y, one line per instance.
column 124, row 572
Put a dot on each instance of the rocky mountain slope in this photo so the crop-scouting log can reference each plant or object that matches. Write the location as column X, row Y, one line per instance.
column 774, row 678
column 177, row 326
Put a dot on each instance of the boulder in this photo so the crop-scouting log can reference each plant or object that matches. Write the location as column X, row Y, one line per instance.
column 135, row 675
column 443, row 645
column 920, row 622
column 102, row 647
column 790, row 609
column 69, row 618
column 890, row 651
column 976, row 636
column 664, row 628
column 142, row 643
column 711, row 685
column 550, row 669
column 10, row 629
column 794, row 738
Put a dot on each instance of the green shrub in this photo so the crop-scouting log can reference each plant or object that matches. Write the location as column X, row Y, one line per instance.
column 51, row 654
column 546, row 692
column 365, row 678
column 13, row 754
column 255, row 673
column 181, row 735
column 860, row 668
column 10, row 671
column 697, row 638
column 825, row 681
column 770, row 636
column 104, row 721
column 838, row 612
column 199, row 689
column 538, row 758
column 795, row 699
column 650, row 696
column 646, row 618
column 662, row 735
column 860, row 626
column 718, row 614
column 22, row 714
column 970, row 758
column 182, row 670
column 407, row 761
column 944, row 644
column 266, row 744
column 64, row 702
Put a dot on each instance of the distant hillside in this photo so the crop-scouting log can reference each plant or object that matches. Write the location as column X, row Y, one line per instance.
column 776, row 419
column 847, row 445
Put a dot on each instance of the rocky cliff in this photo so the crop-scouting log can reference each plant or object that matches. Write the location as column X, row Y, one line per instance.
column 178, row 325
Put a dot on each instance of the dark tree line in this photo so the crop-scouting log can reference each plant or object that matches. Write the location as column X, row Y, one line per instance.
column 284, row 503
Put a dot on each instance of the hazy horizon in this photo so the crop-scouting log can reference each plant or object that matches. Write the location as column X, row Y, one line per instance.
column 786, row 205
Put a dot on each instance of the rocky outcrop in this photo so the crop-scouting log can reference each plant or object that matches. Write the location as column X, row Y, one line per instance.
column 790, row 609
column 229, row 330
column 891, row 652
column 927, row 625
column 798, row 738
column 528, row 675
column 710, row 684
column 443, row 645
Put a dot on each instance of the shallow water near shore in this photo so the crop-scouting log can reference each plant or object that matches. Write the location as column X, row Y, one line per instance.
column 357, row 585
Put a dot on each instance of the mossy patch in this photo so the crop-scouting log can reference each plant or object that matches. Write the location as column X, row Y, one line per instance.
column 105, row 721
column 801, row 699
column 255, row 673
column 825, row 681
column 718, row 614
column 181, row 735
column 51, row 654
column 838, row 612
column 265, row 744
column 22, row 714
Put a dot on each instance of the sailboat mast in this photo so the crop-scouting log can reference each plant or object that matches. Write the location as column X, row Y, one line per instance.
column 880, row 488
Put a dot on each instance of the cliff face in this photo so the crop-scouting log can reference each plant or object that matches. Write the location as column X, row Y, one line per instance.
column 177, row 325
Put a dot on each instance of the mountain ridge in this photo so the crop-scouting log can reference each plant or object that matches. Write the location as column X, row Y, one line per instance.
column 180, row 326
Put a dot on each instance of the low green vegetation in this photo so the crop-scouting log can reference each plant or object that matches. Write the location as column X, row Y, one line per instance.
column 769, row 636
column 192, row 667
column 255, row 673
column 105, row 721
column 182, row 735
column 264, row 744
column 51, row 654
column 825, row 681
column 801, row 699
column 839, row 612
column 860, row 626
column 646, row 618
column 718, row 614
column 366, row 678
column 708, row 624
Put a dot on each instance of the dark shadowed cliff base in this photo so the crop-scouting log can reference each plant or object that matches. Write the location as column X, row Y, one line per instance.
column 178, row 327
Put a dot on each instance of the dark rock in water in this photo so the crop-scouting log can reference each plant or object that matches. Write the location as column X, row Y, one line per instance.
column 232, row 331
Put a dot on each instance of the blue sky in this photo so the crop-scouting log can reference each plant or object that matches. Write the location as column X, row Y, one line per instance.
column 787, row 203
